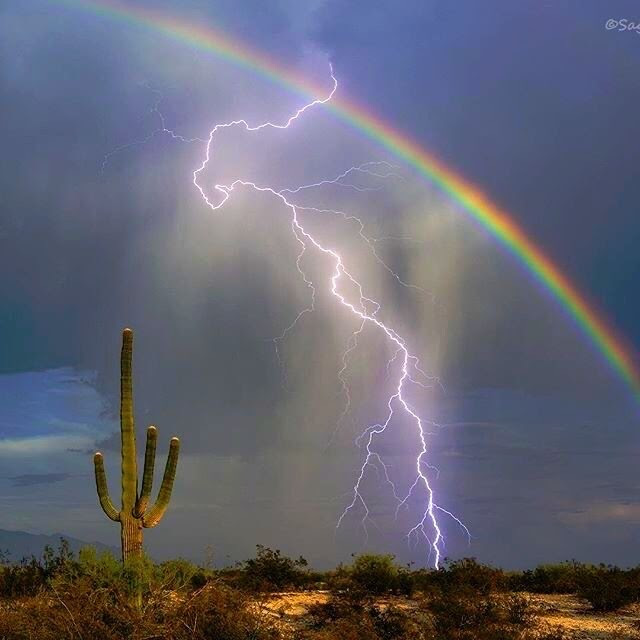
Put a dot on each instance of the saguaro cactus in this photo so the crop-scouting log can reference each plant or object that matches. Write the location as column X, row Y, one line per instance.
column 134, row 515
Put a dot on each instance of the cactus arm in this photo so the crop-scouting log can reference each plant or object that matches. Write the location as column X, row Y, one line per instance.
column 127, row 429
column 103, row 490
column 156, row 512
column 147, row 479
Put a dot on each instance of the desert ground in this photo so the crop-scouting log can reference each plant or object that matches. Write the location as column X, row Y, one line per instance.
column 557, row 610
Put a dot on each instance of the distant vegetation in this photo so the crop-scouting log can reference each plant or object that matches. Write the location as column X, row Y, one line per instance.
column 87, row 595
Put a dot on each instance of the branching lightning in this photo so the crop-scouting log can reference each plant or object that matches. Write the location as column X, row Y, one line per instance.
column 362, row 308
column 162, row 129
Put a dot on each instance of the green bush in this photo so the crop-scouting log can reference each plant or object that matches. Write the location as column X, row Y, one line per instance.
column 31, row 575
column 343, row 617
column 454, row 616
column 179, row 574
column 374, row 573
column 405, row 583
column 471, row 616
column 609, row 588
column 271, row 571
column 517, row 610
column 392, row 623
column 103, row 569
column 24, row 579
column 468, row 575
column 339, row 606
column 219, row 613
column 200, row 578
column 563, row 577
column 353, row 627
column 424, row 580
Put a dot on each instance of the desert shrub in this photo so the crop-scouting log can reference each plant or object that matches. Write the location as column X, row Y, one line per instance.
column 219, row 613
column 562, row 577
column 338, row 606
column 200, row 578
column 177, row 574
column 310, row 579
column 608, row 588
column 471, row 616
column 54, row 560
column 102, row 569
column 271, row 571
column 22, row 579
column 31, row 575
column 468, row 575
column 405, row 583
column 374, row 573
column 424, row 580
column 518, row 610
column 391, row 623
column 377, row 574
column 353, row 627
column 233, row 577
column 446, row 616
column 343, row 617
column 454, row 616
column 339, row 579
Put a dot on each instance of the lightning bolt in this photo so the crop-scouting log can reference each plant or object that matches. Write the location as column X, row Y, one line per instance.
column 160, row 130
column 363, row 309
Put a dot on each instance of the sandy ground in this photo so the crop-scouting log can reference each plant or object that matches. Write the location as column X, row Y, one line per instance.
column 574, row 616
column 566, row 611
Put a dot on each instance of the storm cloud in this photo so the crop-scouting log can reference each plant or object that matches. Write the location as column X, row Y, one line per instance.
column 536, row 438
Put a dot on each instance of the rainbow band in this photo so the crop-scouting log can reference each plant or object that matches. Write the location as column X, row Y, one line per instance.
column 481, row 209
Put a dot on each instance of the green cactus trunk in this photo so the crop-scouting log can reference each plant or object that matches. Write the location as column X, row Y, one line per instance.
column 134, row 514
column 131, row 537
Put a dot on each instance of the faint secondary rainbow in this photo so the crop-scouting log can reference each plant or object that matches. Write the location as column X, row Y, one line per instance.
column 496, row 221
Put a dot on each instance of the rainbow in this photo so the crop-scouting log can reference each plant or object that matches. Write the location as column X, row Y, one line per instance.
column 481, row 209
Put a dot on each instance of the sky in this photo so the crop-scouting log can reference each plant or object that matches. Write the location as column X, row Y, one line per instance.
column 534, row 436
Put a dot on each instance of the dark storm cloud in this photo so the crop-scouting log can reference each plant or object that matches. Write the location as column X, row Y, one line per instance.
column 34, row 479
column 535, row 103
